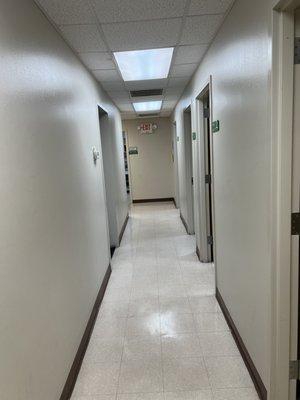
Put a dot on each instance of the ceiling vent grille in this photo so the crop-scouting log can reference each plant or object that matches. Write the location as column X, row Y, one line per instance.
column 145, row 93
column 149, row 115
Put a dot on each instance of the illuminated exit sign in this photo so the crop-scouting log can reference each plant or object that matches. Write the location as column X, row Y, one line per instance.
column 147, row 127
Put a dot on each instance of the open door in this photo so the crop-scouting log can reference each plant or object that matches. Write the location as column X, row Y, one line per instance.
column 295, row 255
column 109, row 178
column 189, row 176
column 205, row 241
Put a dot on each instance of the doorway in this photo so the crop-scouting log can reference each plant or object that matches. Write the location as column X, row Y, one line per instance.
column 286, row 201
column 189, row 175
column 205, row 236
column 109, row 179
column 175, row 163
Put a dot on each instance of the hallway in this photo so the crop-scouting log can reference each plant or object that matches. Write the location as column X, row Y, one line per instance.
column 160, row 334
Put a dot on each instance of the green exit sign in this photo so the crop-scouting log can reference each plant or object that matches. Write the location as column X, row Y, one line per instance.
column 216, row 126
column 194, row 135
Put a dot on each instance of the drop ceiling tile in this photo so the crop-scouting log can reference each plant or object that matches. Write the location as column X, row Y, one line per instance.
column 96, row 60
column 106, row 75
column 201, row 29
column 190, row 54
column 124, row 106
column 149, row 84
column 178, row 81
column 183, row 70
column 137, row 10
column 83, row 38
column 142, row 35
column 112, row 85
column 147, row 98
column 118, row 94
column 169, row 105
column 198, row 7
column 128, row 115
column 173, row 97
column 173, row 91
column 165, row 113
column 68, row 11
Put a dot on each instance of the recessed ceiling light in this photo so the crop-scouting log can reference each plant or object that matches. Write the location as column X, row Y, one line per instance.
column 147, row 106
column 144, row 64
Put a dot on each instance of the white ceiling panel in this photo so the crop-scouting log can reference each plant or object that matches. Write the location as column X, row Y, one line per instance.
column 107, row 75
column 83, row 38
column 96, row 60
column 68, row 11
column 165, row 113
column 136, row 10
column 118, row 95
column 150, row 84
column 169, row 105
column 190, row 54
column 125, row 106
column 200, row 29
column 172, row 97
column 178, row 81
column 142, row 35
column 198, row 7
column 113, row 85
column 183, row 70
column 174, row 90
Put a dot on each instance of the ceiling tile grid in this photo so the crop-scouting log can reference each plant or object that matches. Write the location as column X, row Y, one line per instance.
column 97, row 28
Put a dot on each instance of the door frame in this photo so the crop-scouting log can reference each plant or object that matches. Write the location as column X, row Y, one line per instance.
column 203, row 250
column 282, row 270
column 188, row 164
column 175, row 156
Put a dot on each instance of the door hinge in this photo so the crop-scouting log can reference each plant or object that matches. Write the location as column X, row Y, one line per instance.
column 295, row 223
column 294, row 370
column 206, row 113
column 208, row 179
column 210, row 240
column 297, row 50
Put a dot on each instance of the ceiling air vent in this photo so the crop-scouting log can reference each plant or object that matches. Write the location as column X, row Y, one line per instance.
column 149, row 115
column 145, row 93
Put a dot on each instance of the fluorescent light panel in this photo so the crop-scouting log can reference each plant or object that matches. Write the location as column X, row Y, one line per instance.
column 147, row 106
column 144, row 64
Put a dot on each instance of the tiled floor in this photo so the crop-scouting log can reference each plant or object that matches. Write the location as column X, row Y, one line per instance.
column 160, row 334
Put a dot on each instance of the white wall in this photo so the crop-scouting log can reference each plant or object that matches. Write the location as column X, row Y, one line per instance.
column 151, row 170
column 53, row 231
column 240, row 62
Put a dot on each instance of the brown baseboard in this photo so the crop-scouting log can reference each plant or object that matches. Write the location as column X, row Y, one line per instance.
column 258, row 383
column 74, row 371
column 163, row 199
column 198, row 252
column 174, row 201
column 184, row 223
column 123, row 229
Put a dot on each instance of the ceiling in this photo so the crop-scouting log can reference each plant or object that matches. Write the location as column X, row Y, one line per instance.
column 97, row 28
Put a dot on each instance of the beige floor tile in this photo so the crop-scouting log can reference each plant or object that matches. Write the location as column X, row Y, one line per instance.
column 181, row 345
column 172, row 323
column 141, row 396
column 145, row 325
column 96, row 397
column 141, row 376
column 143, row 306
column 109, row 326
column 228, row 372
column 100, row 350
column 178, row 305
column 141, row 348
column 218, row 344
column 235, row 394
column 97, row 379
column 184, row 374
column 210, row 322
column 205, row 394
column 201, row 304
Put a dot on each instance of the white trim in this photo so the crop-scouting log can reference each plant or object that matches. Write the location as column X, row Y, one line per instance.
column 282, row 115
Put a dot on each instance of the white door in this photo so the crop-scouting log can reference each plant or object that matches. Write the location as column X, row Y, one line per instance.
column 295, row 332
